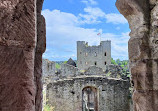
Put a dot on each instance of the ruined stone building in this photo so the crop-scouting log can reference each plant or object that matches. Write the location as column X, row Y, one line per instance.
column 71, row 62
column 73, row 90
column 89, row 93
column 99, row 56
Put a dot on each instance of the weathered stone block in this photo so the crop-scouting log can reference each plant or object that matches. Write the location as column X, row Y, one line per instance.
column 145, row 100
column 138, row 49
column 142, row 75
column 17, row 51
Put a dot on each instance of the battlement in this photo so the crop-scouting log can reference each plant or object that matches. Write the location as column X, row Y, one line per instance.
column 84, row 43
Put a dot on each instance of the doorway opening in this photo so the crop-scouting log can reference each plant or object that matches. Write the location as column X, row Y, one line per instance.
column 89, row 99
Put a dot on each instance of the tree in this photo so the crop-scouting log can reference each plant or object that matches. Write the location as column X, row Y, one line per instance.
column 113, row 61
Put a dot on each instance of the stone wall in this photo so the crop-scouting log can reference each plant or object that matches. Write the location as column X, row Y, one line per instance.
column 66, row 94
column 142, row 16
column 40, row 49
column 48, row 67
column 94, row 70
column 21, row 50
column 93, row 55
column 68, row 71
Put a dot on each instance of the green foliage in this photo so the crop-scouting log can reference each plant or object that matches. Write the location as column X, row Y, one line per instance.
column 113, row 61
column 124, row 65
column 65, row 62
column 57, row 66
column 108, row 74
column 118, row 61
column 48, row 108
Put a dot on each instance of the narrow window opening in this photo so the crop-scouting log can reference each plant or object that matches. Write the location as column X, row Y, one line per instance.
column 95, row 54
column 105, row 63
column 86, row 54
column 105, row 54
column 95, row 63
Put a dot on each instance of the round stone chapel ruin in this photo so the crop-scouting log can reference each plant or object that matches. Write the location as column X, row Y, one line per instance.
column 22, row 43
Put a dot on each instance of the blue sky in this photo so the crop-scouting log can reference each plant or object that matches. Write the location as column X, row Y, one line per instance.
column 68, row 21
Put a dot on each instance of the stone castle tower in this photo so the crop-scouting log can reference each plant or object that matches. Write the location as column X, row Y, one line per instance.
column 99, row 56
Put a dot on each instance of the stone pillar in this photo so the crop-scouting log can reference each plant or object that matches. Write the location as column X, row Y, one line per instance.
column 142, row 16
column 40, row 49
column 18, row 40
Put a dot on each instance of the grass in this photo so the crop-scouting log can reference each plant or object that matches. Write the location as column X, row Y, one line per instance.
column 48, row 108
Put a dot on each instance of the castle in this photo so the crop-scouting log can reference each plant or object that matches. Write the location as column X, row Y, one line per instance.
column 99, row 56
column 87, row 87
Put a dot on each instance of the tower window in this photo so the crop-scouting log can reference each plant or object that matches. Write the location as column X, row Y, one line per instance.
column 105, row 54
column 95, row 63
column 95, row 54
column 105, row 63
column 80, row 52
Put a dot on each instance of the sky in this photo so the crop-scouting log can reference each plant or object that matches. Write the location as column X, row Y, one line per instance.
column 68, row 21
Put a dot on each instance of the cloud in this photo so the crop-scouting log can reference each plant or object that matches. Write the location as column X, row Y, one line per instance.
column 92, row 15
column 60, row 18
column 96, row 15
column 63, row 30
column 89, row 2
column 118, row 43
column 118, row 28
column 115, row 18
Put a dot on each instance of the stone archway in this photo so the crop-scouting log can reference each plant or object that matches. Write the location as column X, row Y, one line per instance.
column 89, row 99
column 22, row 45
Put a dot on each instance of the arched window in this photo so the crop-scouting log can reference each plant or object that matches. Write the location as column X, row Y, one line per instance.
column 89, row 99
column 105, row 63
column 95, row 54
column 105, row 54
